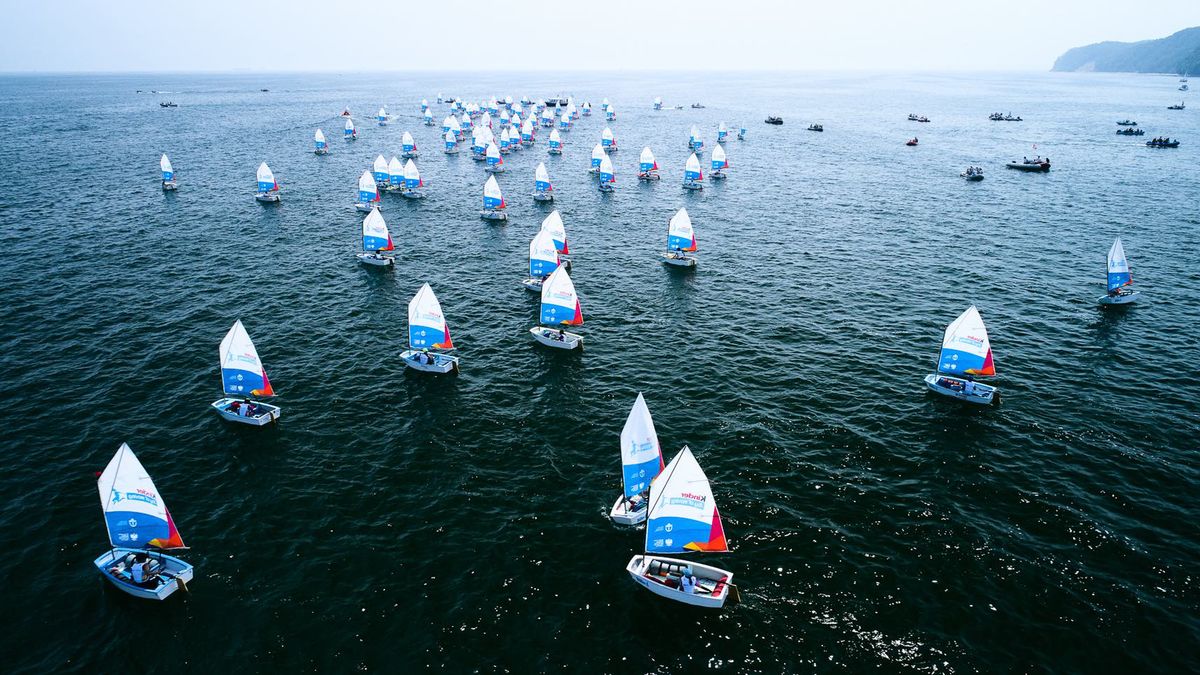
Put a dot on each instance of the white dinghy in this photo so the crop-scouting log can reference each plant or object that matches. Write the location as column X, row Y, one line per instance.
column 641, row 461
column 692, row 174
column 719, row 163
column 555, row 143
column 543, row 190
column 321, row 147
column 495, row 163
column 493, row 201
column 168, row 174
column 368, row 193
column 243, row 377
column 607, row 175
column 681, row 240
column 683, row 517
column 349, row 133
column 543, row 260
column 395, row 175
column 140, row 528
column 647, row 165
column 451, row 142
column 560, row 306
column 268, row 187
column 414, row 187
column 1119, row 277
column 376, row 240
column 597, row 157
column 966, row 353
column 408, row 147
column 427, row 330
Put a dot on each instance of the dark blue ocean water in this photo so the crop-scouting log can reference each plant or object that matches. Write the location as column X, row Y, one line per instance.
column 393, row 521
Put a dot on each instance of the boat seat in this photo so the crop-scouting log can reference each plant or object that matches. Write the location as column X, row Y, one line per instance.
column 720, row 585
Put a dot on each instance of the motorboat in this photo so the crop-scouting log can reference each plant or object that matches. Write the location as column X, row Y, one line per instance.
column 917, row 118
column 1002, row 117
column 1176, row 107
column 1127, row 123
column 1183, row 87
column 1131, row 132
column 168, row 104
column 911, row 142
column 697, row 106
column 973, row 173
column 1027, row 164
column 773, row 119
column 1162, row 143
column 816, row 127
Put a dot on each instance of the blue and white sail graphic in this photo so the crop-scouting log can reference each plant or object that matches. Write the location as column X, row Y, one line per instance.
column 1118, row 266
column 641, row 457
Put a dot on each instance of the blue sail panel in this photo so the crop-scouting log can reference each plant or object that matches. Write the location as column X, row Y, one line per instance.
column 638, row 476
column 134, row 529
column 672, row 534
column 1119, row 279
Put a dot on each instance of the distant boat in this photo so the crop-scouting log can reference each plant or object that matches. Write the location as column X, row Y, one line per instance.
column 493, row 201
column 597, row 157
column 741, row 134
column 321, row 148
column 547, row 118
column 641, row 462
column 695, row 143
column 408, row 147
column 966, row 353
column 140, row 528
column 722, row 132
column 683, row 517
column 242, row 378
column 1127, row 123
column 451, row 143
column 658, row 103
column 543, row 191
column 1183, row 87
column 1119, row 278
column 586, row 109
column 376, row 241
column 427, row 117
column 495, row 163
column 413, row 185
column 917, row 118
column 608, row 140
column 168, row 174
column 382, row 117
column 350, row 134
column 395, row 175
column 427, row 330
column 381, row 172
column 555, row 143
column 816, row 127
column 1037, row 164
column 1176, row 107
column 647, row 165
column 543, row 260
column 774, row 119
column 610, row 113
column 692, row 174
column 1162, row 143
column 268, row 187
column 911, row 142
column 681, row 240
column 607, row 175
column 719, row 163
column 973, row 174
column 368, row 193
column 505, row 141
column 560, row 306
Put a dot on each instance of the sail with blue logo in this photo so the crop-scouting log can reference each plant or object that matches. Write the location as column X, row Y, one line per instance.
column 543, row 255
column 541, row 178
column 407, row 144
column 1118, row 266
column 447, row 124
column 349, row 129
column 451, row 140
column 691, row 169
column 641, row 457
column 553, row 224
column 560, row 303
column 266, row 179
column 564, row 121
column 965, row 347
column 694, row 141
column 486, row 120
column 647, row 163
column 380, row 170
column 427, row 328
column 722, row 132
column 527, row 131
column 597, row 156
column 607, row 139
column 493, row 155
column 683, row 514
column 319, row 139
column 555, row 140
column 465, row 122
column 505, row 139
column 607, row 175
column 610, row 113
column 412, row 177
column 367, row 191
column 719, row 160
column 375, row 235
column 168, row 172
column 242, row 372
column 547, row 118
column 134, row 513
column 382, row 116
column 680, row 235
column 424, row 104
column 427, row 117
column 395, row 172
column 492, row 197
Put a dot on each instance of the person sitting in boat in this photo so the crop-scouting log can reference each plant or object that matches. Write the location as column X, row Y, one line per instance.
column 969, row 388
column 635, row 503
column 687, row 581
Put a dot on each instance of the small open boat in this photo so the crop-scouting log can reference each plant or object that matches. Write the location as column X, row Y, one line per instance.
column 140, row 528
column 816, row 127
column 451, row 142
column 1032, row 165
column 376, row 241
column 681, row 240
column 693, row 176
column 1162, row 143
column 695, row 143
column 647, row 165
column 1127, row 123
column 268, row 187
column 973, row 174
column 408, row 147
column 773, row 119
column 608, row 140
column 493, row 201
column 641, row 461
column 543, row 190
column 321, row 147
column 1119, row 278
column 168, row 174
column 560, row 306
column 427, row 329
column 1176, row 107
column 1130, row 132
column 555, row 143
column 243, row 377
column 966, row 353
column 350, row 133
column 413, row 184
column 917, row 118
column 368, row 193
column 911, row 142
column 607, row 175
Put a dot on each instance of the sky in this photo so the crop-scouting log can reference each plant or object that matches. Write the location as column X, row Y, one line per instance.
column 391, row 35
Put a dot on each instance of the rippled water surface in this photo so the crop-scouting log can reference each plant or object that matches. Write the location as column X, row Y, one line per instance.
column 393, row 520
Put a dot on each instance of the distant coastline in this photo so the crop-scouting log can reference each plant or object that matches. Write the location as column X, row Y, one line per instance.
column 1178, row 54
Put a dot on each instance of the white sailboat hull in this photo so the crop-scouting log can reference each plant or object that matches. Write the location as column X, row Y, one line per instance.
column 533, row 285
column 169, row 185
column 376, row 259
column 648, row 176
column 413, row 194
column 622, row 516
column 549, row 337
column 946, row 385
column 263, row 413
column 493, row 215
column 717, row 175
column 539, row 196
column 657, row 573
column 366, row 208
column 172, row 571
column 442, row 363
column 495, row 168
column 1120, row 299
column 679, row 260
column 693, row 185
column 267, row 198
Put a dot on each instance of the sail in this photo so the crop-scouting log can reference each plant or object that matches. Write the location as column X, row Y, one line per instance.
column 465, row 121
column 451, row 140
column 641, row 458
column 558, row 232
column 492, row 198
column 683, row 514
column 555, row 139
column 486, row 120
column 407, row 144
column 242, row 373
column 427, row 327
column 541, row 178
column 560, row 304
column 367, row 192
column 349, row 127
column 543, row 255
column 597, row 156
column 375, row 235
column 606, row 171
column 965, row 347
column 564, row 122
column 266, row 179
column 722, row 129
column 395, row 171
column 319, row 139
column 380, row 169
column 691, row 170
column 412, row 177
column 1118, row 265
column 381, row 115
column 680, row 235
column 606, row 138
column 646, row 162
column 526, row 130
column 718, row 158
column 493, row 155
column 505, row 138
column 447, row 123
column 168, row 171
column 694, row 135
column 135, row 515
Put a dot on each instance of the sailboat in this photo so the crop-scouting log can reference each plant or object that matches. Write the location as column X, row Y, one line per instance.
column 376, row 241
column 493, row 201
column 1119, row 278
column 657, row 104
column 543, row 260
column 692, row 175
column 381, row 172
column 647, row 165
column 741, row 135
column 412, row 182
column 695, row 144
column 505, row 141
column 368, row 193
column 268, row 187
column 607, row 177
column 242, row 377
column 321, row 148
column 608, row 140
column 610, row 113
column 478, row 145
column 495, row 163
column 722, row 132
column 486, row 120
column 719, row 163
column 527, row 132
column 427, row 117
column 555, row 143
column 683, row 517
column 349, row 134
column 597, row 157
column 395, row 173
column 966, row 353
column 586, row 109
column 547, row 118
column 641, row 462
column 427, row 330
column 408, row 147
column 560, row 306
column 465, row 124
column 382, row 117
column 681, row 240
column 451, row 143
column 564, row 121
column 543, row 191
column 140, row 528
column 558, row 232
column 168, row 174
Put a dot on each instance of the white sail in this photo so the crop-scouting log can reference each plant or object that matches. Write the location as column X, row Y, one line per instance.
column 641, row 457
column 165, row 165
column 683, row 513
column 319, row 137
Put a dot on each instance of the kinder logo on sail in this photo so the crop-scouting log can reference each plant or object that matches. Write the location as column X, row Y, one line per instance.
column 688, row 499
column 970, row 340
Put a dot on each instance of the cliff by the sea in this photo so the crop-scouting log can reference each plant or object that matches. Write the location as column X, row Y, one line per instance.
column 1177, row 53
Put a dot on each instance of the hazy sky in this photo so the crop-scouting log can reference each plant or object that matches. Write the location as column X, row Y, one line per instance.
column 260, row 35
